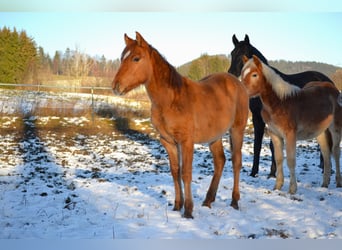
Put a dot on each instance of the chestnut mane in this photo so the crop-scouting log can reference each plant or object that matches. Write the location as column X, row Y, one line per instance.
column 166, row 70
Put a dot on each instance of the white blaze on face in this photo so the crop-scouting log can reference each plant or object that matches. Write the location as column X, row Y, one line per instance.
column 245, row 73
column 126, row 55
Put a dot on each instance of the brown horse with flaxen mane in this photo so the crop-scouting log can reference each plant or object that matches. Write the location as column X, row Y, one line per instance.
column 295, row 114
column 186, row 112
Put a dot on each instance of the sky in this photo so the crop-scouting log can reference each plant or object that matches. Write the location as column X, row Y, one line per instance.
column 181, row 36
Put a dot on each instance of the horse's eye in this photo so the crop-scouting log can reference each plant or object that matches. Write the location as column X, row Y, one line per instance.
column 254, row 75
column 136, row 59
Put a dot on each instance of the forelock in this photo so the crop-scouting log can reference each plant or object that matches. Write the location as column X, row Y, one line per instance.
column 247, row 68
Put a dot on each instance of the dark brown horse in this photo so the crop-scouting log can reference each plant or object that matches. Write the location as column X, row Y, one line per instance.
column 295, row 114
column 187, row 112
column 245, row 48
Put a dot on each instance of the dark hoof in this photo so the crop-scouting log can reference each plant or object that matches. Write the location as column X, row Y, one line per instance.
column 235, row 205
column 271, row 175
column 177, row 206
column 188, row 215
column 254, row 175
column 206, row 204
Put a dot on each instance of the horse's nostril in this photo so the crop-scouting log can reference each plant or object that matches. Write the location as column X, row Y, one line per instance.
column 116, row 88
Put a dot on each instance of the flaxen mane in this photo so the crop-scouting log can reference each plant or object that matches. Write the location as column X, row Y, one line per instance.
column 282, row 88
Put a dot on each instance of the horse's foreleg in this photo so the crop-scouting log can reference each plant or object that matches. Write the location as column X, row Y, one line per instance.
column 291, row 161
column 187, row 152
column 278, row 154
column 325, row 150
column 216, row 149
column 173, row 153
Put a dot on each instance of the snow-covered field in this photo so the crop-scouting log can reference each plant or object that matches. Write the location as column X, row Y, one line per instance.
column 60, row 181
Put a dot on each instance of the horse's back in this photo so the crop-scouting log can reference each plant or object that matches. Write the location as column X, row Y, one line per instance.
column 225, row 80
column 302, row 78
column 227, row 85
column 319, row 84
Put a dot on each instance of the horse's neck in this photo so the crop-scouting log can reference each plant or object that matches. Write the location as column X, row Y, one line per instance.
column 165, row 82
column 260, row 56
column 269, row 98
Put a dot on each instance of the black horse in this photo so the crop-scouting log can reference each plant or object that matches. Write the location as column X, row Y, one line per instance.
column 245, row 48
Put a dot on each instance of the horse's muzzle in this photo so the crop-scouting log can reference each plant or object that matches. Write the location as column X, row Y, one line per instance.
column 116, row 89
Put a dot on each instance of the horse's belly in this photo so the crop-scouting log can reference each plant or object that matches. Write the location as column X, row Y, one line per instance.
column 312, row 130
column 211, row 129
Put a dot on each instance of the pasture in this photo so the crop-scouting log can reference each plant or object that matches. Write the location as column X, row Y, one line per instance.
column 66, row 174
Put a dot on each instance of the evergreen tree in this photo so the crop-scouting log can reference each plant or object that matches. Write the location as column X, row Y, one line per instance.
column 57, row 64
column 18, row 57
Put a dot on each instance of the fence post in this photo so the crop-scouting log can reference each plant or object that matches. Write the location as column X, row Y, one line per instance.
column 92, row 104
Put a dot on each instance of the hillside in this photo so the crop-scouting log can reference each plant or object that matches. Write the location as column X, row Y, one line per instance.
column 295, row 67
column 202, row 66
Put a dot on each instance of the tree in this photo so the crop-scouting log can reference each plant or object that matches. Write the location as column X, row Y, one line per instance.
column 195, row 72
column 18, row 57
column 57, row 63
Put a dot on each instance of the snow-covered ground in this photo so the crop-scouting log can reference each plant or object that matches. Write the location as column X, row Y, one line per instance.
column 70, row 184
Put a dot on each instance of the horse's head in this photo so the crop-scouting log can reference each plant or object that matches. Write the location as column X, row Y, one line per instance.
column 135, row 68
column 252, row 75
column 242, row 48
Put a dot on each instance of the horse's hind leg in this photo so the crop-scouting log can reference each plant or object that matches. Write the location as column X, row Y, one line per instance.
column 237, row 140
column 323, row 142
column 336, row 138
column 291, row 161
column 219, row 158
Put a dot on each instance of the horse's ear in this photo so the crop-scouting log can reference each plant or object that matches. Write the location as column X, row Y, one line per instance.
column 257, row 61
column 244, row 59
column 246, row 39
column 128, row 40
column 235, row 40
column 140, row 40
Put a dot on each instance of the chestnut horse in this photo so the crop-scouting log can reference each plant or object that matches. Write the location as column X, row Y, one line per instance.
column 244, row 47
column 295, row 114
column 186, row 112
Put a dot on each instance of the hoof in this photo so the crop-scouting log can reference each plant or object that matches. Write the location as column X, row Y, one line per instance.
column 271, row 175
column 235, row 205
column 188, row 215
column 178, row 206
column 254, row 174
column 206, row 204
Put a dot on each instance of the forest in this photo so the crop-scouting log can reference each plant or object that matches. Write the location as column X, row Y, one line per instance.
column 23, row 61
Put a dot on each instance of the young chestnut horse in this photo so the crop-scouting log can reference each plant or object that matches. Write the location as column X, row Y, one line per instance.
column 296, row 114
column 242, row 48
column 186, row 112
